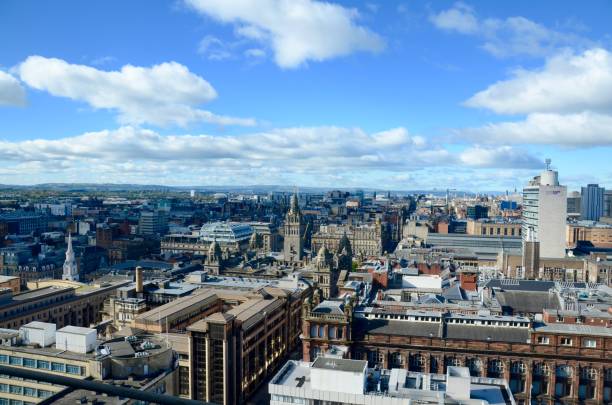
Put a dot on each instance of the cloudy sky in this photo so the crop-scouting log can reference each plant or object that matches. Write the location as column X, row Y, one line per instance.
column 393, row 95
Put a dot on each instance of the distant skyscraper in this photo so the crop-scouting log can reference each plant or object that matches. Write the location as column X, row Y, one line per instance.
column 592, row 204
column 71, row 271
column 573, row 203
column 545, row 212
column 608, row 203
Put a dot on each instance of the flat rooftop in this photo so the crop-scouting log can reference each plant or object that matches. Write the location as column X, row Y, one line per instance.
column 383, row 387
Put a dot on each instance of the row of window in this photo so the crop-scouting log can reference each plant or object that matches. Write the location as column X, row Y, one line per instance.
column 4, row 401
column 26, row 391
column 41, row 364
column 566, row 341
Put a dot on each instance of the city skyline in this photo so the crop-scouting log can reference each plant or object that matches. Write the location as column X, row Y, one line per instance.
column 386, row 95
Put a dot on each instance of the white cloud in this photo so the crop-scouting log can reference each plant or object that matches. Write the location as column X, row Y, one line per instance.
column 296, row 30
column 567, row 103
column 460, row 18
column 285, row 156
column 506, row 37
column 11, row 91
column 163, row 94
column 579, row 130
column 503, row 156
column 567, row 83
column 214, row 48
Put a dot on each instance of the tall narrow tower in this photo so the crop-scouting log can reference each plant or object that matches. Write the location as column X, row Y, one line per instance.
column 294, row 231
column 71, row 272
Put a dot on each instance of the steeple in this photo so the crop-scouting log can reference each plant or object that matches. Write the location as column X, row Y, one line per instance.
column 295, row 207
column 71, row 272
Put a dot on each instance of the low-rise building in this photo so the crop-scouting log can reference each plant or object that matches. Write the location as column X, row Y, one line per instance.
column 341, row 381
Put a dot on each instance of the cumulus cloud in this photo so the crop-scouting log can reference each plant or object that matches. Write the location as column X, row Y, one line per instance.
column 503, row 157
column 583, row 129
column 567, row 102
column 279, row 155
column 164, row 94
column 506, row 37
column 11, row 91
column 296, row 30
column 567, row 83
column 460, row 18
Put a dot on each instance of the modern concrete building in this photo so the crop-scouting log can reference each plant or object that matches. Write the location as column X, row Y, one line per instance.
column 153, row 222
column 592, row 202
column 545, row 212
column 341, row 381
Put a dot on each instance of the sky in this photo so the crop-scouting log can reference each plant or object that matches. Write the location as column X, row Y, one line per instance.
column 394, row 95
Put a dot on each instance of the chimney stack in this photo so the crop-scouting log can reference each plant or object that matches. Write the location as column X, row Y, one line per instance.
column 139, row 280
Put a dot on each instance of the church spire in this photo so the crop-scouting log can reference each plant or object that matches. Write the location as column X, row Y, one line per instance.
column 71, row 271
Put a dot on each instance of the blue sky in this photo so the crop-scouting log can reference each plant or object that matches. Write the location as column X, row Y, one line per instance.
column 396, row 95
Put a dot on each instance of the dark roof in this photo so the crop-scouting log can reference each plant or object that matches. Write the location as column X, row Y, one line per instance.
column 518, row 302
column 520, row 285
column 352, row 366
column 484, row 333
column 402, row 328
column 454, row 293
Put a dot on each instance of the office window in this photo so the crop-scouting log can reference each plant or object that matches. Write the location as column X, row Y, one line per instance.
column 31, row 363
column 73, row 369
column 58, row 367
column 15, row 361
column 16, row 389
column 44, row 393
column 543, row 340
column 4, row 388
column 3, row 358
column 45, row 365
column 29, row 392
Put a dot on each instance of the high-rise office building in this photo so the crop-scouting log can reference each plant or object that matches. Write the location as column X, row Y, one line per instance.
column 153, row 222
column 545, row 211
column 608, row 203
column 573, row 204
column 592, row 204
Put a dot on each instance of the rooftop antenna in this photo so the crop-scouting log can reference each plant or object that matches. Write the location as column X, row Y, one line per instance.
column 547, row 161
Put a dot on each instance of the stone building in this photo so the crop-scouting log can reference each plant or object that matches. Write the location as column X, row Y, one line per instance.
column 365, row 240
column 293, row 247
column 544, row 363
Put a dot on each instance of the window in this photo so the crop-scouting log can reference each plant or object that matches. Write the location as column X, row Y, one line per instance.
column 44, row 393
column 15, row 361
column 4, row 388
column 45, row 365
column 16, row 389
column 3, row 358
column 29, row 392
column 58, row 367
column 332, row 332
column 73, row 369
column 313, row 331
column 592, row 343
column 543, row 340
column 564, row 341
column 31, row 363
